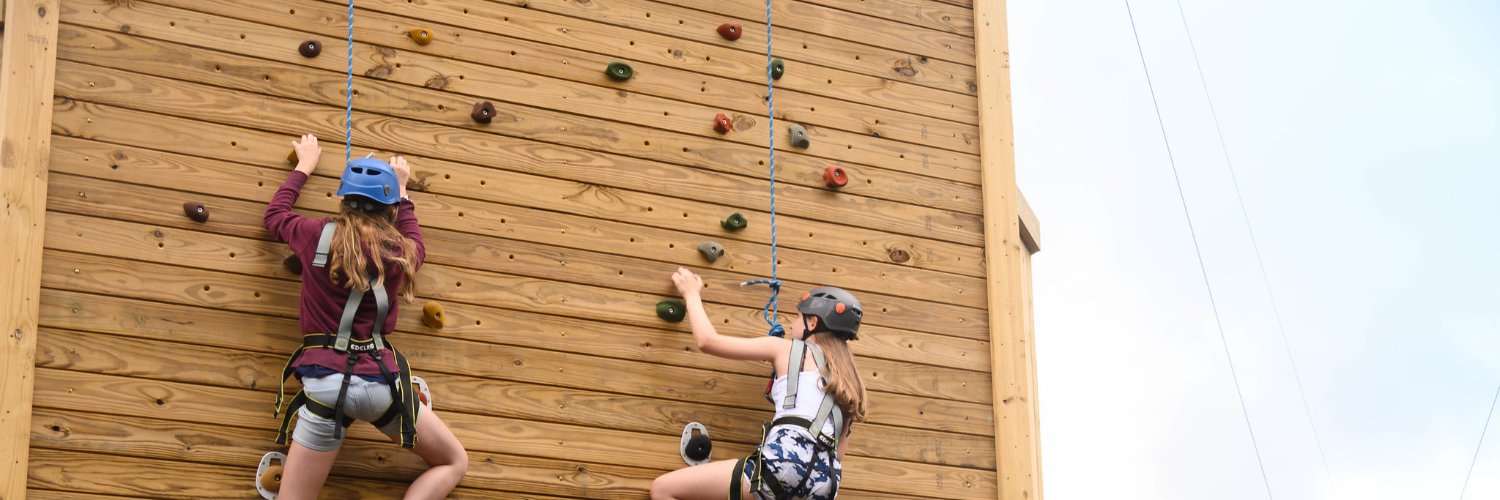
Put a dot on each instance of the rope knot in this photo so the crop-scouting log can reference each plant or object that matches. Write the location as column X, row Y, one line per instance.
column 769, row 312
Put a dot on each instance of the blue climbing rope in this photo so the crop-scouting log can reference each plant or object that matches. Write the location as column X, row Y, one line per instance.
column 771, row 311
column 349, row 92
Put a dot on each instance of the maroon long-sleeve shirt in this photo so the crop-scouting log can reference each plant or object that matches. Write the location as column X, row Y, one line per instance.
column 322, row 299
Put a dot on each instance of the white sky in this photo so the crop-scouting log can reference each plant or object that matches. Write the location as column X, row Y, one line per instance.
column 1365, row 137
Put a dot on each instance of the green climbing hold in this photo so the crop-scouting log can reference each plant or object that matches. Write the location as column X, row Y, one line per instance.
column 672, row 310
column 734, row 222
column 619, row 71
column 777, row 68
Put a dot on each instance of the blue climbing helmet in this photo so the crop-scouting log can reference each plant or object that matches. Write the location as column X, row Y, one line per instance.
column 371, row 178
column 836, row 309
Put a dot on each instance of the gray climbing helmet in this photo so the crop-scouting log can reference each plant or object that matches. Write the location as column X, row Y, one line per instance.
column 836, row 309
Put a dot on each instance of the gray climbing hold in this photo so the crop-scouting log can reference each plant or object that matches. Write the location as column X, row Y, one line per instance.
column 799, row 136
column 711, row 250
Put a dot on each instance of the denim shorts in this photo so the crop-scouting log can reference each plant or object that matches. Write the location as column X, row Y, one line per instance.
column 366, row 400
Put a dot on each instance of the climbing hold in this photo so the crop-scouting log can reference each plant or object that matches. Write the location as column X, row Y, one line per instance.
column 799, row 136
column 484, row 111
column 835, row 177
column 196, row 210
column 711, row 250
column 730, row 31
column 722, row 124
column 432, row 315
column 310, row 48
column 777, row 69
column 734, row 222
column 424, row 394
column 291, row 158
column 696, row 448
column 268, row 476
column 292, row 264
column 619, row 71
column 672, row 310
column 420, row 35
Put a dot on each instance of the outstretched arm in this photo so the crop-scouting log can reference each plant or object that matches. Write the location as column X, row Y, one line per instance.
column 406, row 218
column 279, row 218
column 690, row 285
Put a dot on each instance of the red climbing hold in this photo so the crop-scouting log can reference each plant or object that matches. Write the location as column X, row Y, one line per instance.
column 722, row 124
column 730, row 31
column 835, row 177
column 483, row 112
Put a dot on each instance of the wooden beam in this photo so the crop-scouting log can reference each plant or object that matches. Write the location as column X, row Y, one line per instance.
column 26, row 76
column 1013, row 366
column 1031, row 228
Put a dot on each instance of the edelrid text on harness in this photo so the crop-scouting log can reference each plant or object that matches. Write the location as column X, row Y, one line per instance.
column 403, row 402
column 762, row 478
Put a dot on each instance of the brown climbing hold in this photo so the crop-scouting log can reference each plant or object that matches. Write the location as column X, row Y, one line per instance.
column 835, row 177
column 293, row 265
column 722, row 124
column 271, row 480
column 432, row 315
column 310, row 48
column 291, row 158
column 420, row 35
column 196, row 210
column 730, row 31
column 484, row 111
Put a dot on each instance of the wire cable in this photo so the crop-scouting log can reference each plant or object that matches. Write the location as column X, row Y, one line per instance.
column 1480, row 445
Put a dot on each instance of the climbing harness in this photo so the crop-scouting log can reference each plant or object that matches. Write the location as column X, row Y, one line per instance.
column 404, row 404
column 770, row 311
column 762, row 478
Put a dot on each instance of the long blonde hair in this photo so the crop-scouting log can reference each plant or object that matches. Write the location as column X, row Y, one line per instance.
column 349, row 261
column 843, row 375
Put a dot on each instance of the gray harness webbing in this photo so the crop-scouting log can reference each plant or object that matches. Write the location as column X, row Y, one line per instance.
column 800, row 350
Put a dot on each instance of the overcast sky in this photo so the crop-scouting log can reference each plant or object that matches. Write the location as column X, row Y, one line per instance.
column 1365, row 137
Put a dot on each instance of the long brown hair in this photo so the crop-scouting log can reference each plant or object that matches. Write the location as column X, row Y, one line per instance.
column 349, row 261
column 843, row 375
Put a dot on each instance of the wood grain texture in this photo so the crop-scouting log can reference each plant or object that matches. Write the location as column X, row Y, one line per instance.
column 27, row 68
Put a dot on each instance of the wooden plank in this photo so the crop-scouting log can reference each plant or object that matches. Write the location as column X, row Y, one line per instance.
column 235, row 407
column 662, row 80
column 476, row 149
column 155, row 282
column 924, row 13
column 860, row 28
column 698, row 24
column 675, row 124
column 26, row 85
column 257, row 258
column 1031, row 228
column 585, row 268
column 288, row 81
column 601, row 235
column 1016, row 424
column 461, row 389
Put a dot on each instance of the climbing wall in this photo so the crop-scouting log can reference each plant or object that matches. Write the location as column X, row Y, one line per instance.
column 551, row 231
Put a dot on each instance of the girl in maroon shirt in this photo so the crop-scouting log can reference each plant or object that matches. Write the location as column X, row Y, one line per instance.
column 364, row 224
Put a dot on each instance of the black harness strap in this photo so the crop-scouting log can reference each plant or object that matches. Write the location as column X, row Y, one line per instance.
column 762, row 478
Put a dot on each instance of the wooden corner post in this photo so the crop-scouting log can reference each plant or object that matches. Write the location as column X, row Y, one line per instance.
column 27, row 68
column 1017, row 446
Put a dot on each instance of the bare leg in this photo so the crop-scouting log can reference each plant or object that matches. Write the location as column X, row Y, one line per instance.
column 709, row 481
column 305, row 471
column 446, row 459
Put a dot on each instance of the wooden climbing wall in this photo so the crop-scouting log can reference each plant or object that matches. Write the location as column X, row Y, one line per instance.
column 550, row 234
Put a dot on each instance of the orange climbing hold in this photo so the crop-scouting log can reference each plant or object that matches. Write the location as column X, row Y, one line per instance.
column 722, row 124
column 432, row 315
column 422, row 36
column 835, row 177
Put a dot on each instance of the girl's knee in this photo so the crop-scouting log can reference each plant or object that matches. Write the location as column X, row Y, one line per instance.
column 660, row 489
